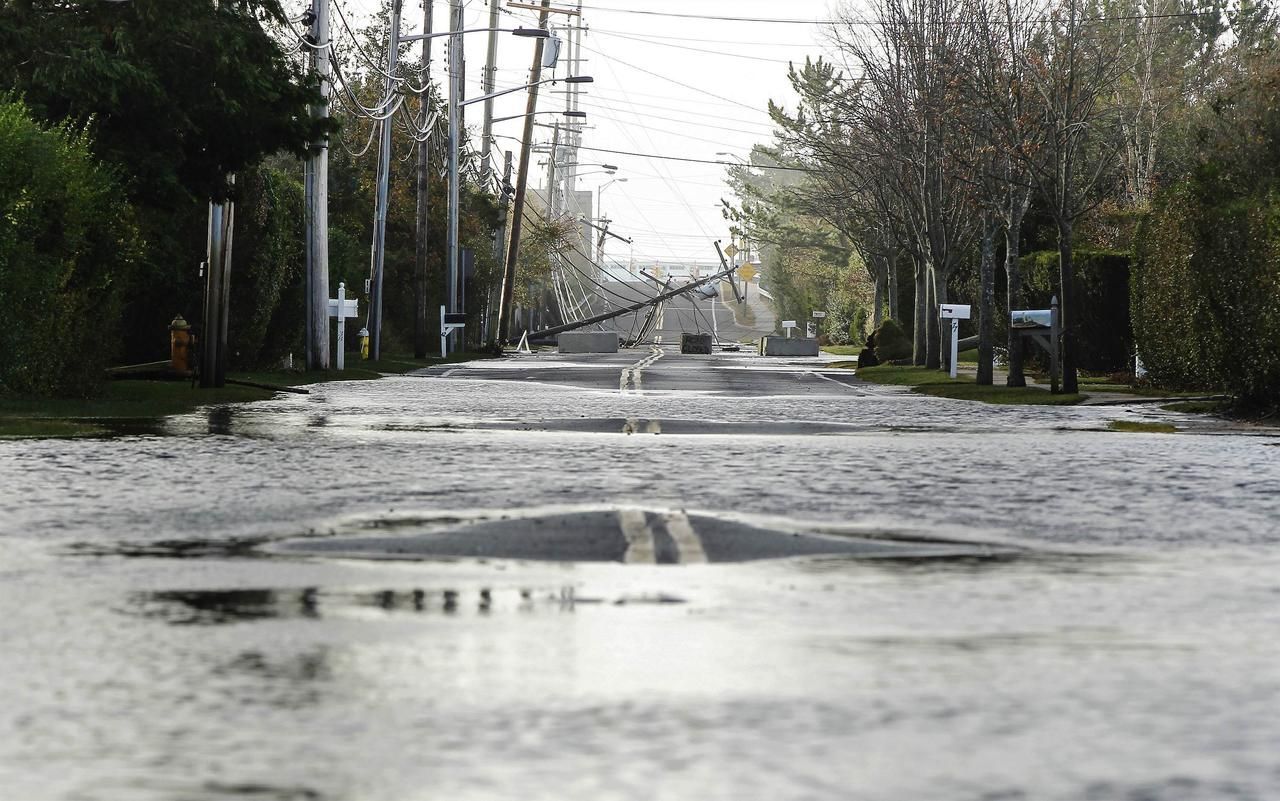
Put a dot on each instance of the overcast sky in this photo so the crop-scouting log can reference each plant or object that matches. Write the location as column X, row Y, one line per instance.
column 673, row 78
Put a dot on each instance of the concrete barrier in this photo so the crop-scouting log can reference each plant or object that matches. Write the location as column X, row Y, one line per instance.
column 695, row 343
column 587, row 342
column 784, row 346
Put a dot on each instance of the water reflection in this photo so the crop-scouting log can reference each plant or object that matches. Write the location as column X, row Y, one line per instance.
column 220, row 419
column 220, row 607
column 225, row 607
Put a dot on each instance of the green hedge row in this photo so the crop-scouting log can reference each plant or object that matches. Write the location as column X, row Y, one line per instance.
column 1102, row 321
column 67, row 248
column 1206, row 292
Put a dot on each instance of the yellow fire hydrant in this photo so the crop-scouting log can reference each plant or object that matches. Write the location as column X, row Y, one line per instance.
column 180, row 345
column 364, row 343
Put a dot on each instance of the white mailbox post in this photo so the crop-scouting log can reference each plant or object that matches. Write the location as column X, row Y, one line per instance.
column 954, row 312
column 448, row 324
column 787, row 325
column 342, row 309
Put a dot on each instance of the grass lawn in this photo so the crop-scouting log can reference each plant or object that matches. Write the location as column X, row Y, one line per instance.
column 941, row 385
column 1141, row 427
column 131, row 399
column 1198, row 407
column 842, row 350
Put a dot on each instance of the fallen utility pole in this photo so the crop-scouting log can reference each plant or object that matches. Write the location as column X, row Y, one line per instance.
column 609, row 315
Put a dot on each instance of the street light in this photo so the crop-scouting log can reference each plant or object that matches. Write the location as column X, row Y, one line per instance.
column 734, row 156
column 600, row 191
column 509, row 90
column 581, row 115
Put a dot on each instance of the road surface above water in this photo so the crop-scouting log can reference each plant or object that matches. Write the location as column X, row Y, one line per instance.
column 641, row 576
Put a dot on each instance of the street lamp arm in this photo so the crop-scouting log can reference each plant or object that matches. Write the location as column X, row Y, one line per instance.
column 536, row 33
column 501, row 92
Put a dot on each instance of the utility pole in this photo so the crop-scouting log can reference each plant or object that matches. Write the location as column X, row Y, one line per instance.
column 217, row 292
column 499, row 235
column 487, row 86
column 552, row 206
column 455, row 131
column 573, row 133
column 317, row 204
column 522, row 183
column 384, row 175
column 213, row 352
column 424, row 197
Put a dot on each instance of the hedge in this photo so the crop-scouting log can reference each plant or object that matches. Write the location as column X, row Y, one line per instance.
column 67, row 246
column 1104, row 335
column 1206, row 292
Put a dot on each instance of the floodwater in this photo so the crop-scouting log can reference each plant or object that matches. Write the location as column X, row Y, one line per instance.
column 1119, row 643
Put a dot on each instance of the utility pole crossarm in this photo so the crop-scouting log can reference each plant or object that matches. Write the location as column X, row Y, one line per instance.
column 572, row 12
column 590, row 224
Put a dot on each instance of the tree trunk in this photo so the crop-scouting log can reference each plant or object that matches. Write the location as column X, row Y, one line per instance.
column 920, row 337
column 1067, row 315
column 1013, row 298
column 877, row 313
column 987, row 302
column 937, row 288
column 891, row 268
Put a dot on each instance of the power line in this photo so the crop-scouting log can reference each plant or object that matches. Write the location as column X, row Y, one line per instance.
column 670, row 80
column 697, row 161
column 872, row 22
column 716, row 18
column 694, row 49
column 701, row 40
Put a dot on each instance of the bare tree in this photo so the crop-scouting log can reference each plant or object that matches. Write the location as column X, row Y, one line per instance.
column 911, row 62
column 1074, row 72
column 1005, row 119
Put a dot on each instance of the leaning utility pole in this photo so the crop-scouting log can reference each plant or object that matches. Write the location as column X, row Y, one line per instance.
column 384, row 176
column 522, row 182
column 317, row 204
column 424, row 197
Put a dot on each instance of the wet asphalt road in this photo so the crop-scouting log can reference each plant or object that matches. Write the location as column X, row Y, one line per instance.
column 761, row 580
column 662, row 368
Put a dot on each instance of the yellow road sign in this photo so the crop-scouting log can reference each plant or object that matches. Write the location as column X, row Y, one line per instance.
column 747, row 271
column 731, row 251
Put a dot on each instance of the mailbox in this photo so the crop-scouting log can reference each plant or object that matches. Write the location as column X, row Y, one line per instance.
column 1031, row 318
column 953, row 311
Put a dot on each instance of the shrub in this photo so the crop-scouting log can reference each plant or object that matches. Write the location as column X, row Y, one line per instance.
column 892, row 342
column 1206, row 292
column 1104, row 335
column 67, row 244
column 268, row 261
column 858, row 326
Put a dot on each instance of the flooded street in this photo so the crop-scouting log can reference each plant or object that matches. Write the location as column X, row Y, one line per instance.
column 1078, row 613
